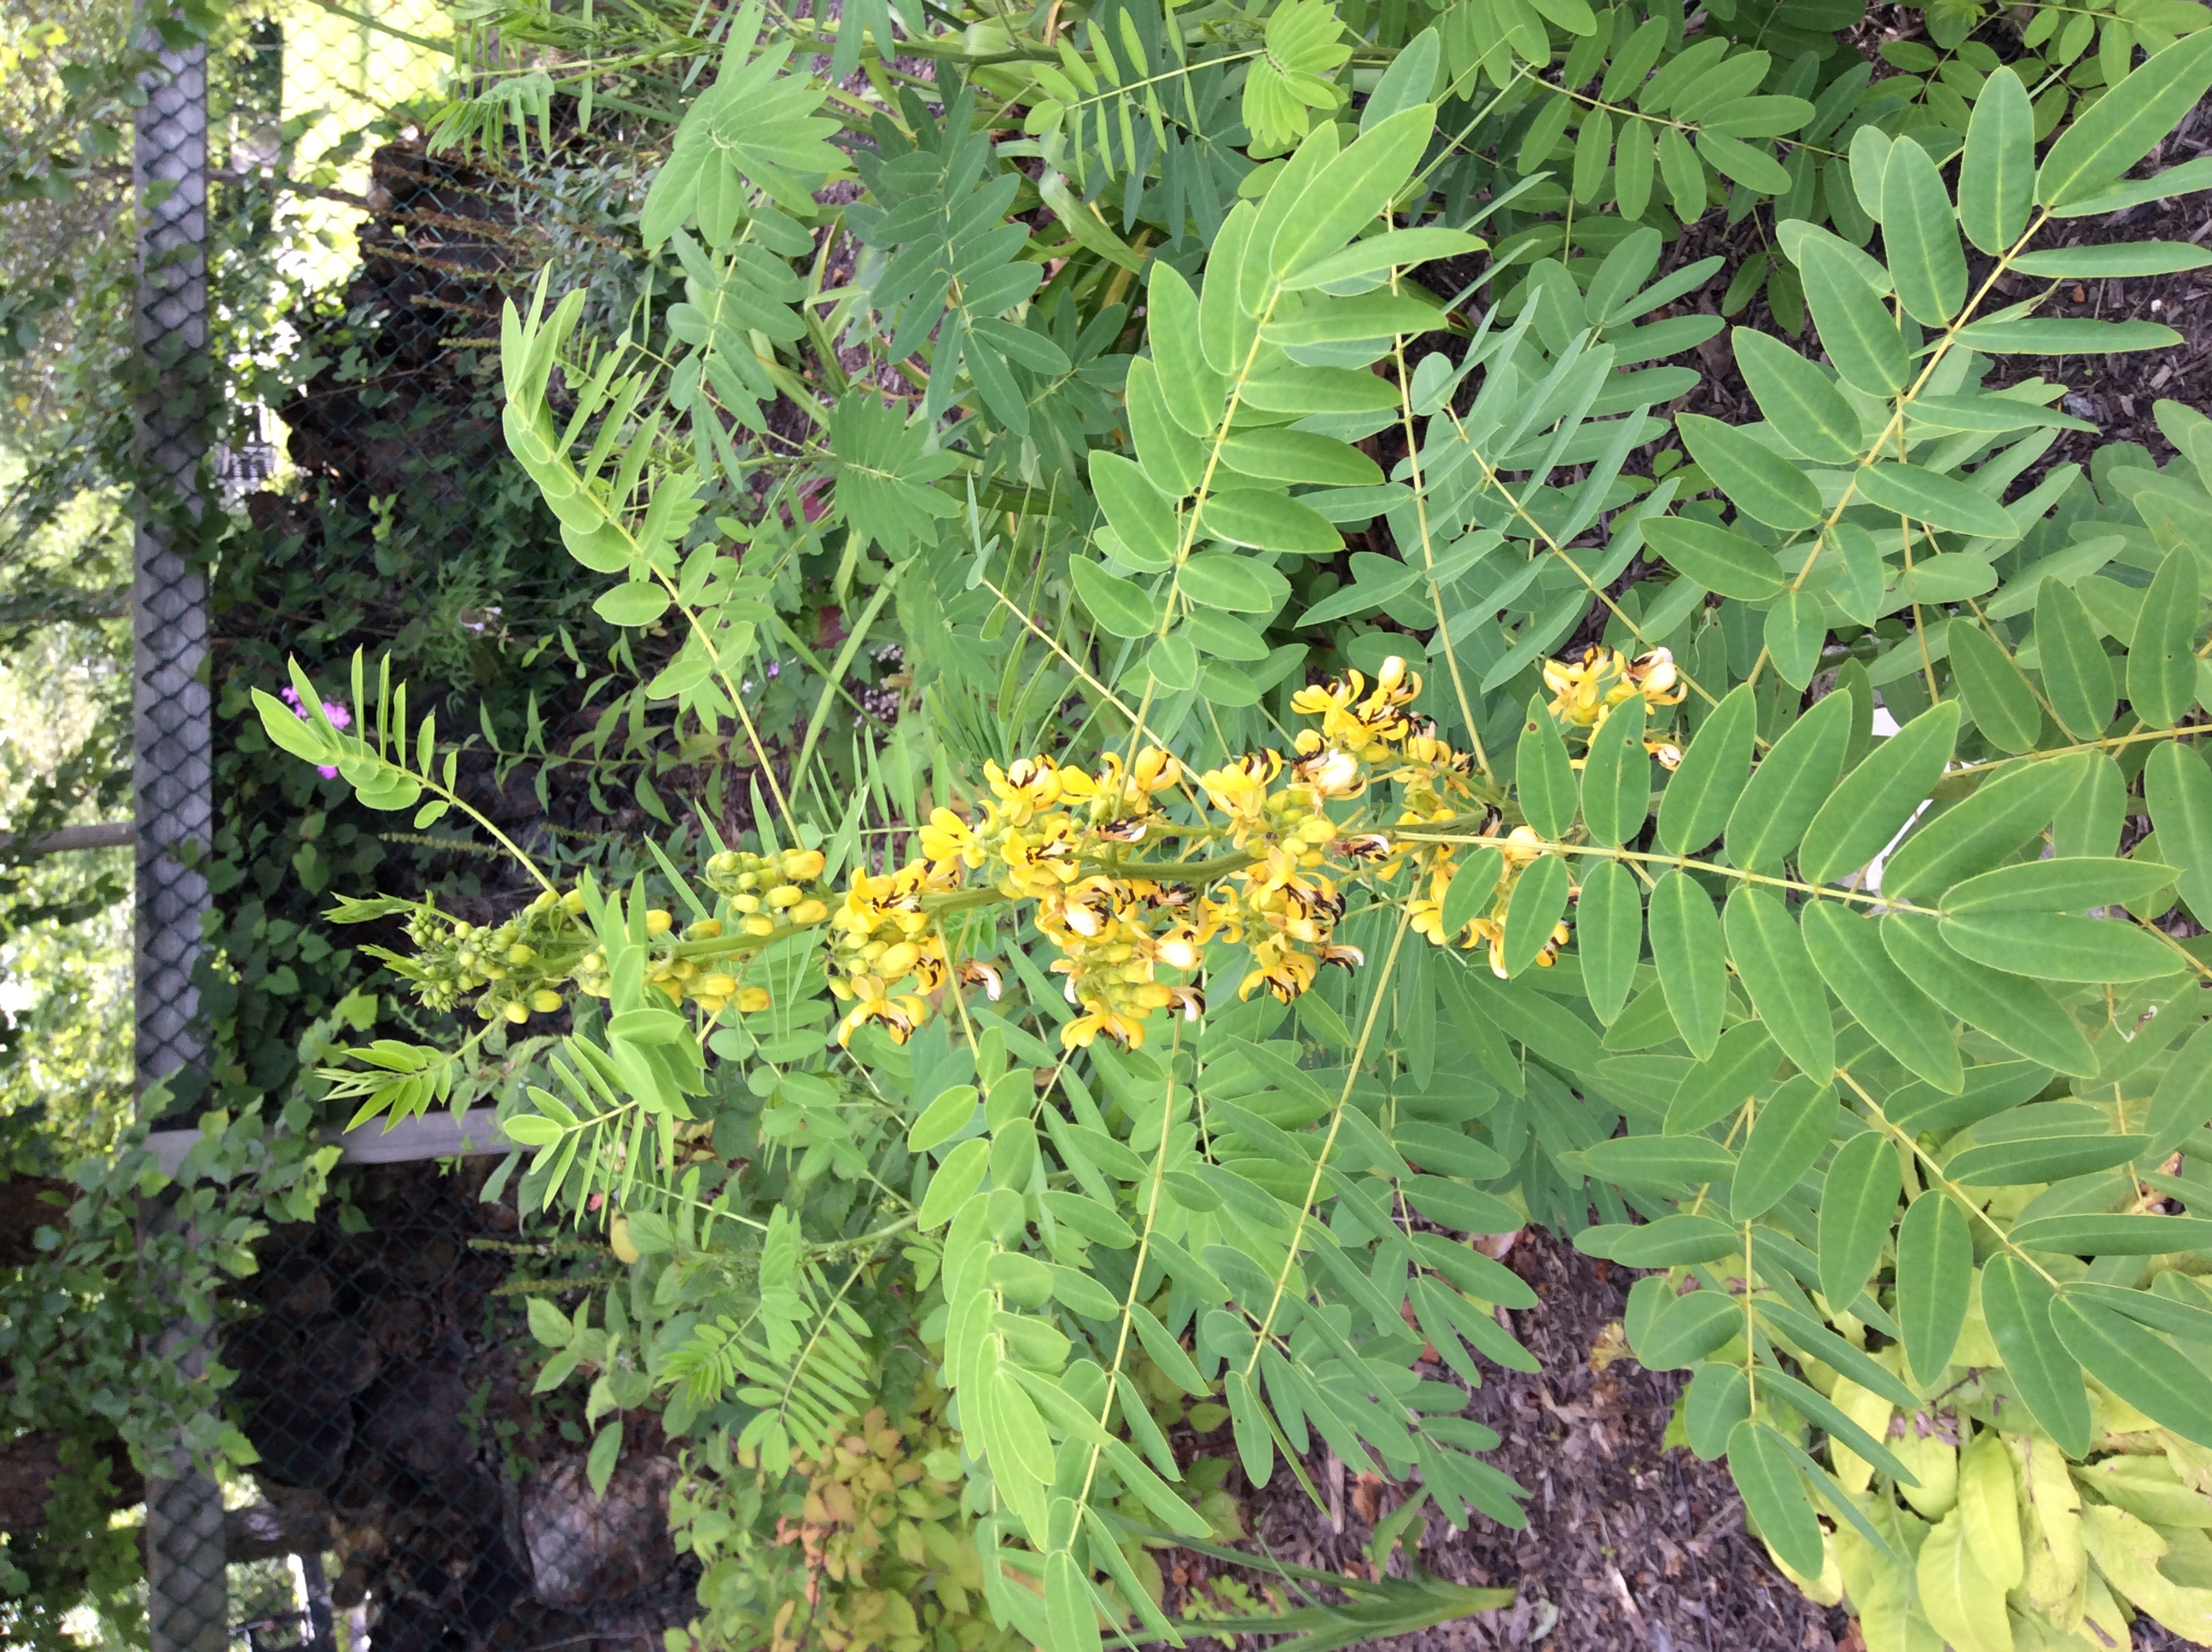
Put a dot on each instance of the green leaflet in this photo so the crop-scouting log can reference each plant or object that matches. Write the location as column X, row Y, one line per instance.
column 2055, row 948
column 1920, row 234
column 1676, row 1162
column 1790, row 1131
column 2016, row 1012
column 2114, row 1235
column 1608, row 935
column 2016, row 1301
column 1742, row 1065
column 2178, row 788
column 2137, row 1364
column 2065, row 883
column 1717, row 559
column 1982, row 832
column 1934, row 1277
column 1760, row 482
column 1873, row 802
column 1692, row 961
column 2126, row 123
column 1616, row 790
column 2003, row 706
column 1539, row 899
column 2183, row 1103
column 1141, row 516
column 1761, row 1464
column 1193, row 392
column 1776, row 969
column 1350, row 191
column 1796, row 633
column 1941, row 501
column 1473, row 889
column 1789, row 787
column 1997, row 175
column 1855, row 328
column 1268, row 521
column 1718, row 1398
column 1856, row 1208
column 2161, row 682
column 1806, row 409
column 2075, row 673
column 1544, row 781
column 1904, row 1020
column 1713, row 774
column 1121, row 606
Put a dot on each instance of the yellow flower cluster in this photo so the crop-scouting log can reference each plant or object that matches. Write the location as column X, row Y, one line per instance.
column 1584, row 691
column 1131, row 919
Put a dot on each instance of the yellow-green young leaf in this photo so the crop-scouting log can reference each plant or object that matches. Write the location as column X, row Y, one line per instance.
column 1713, row 772
column 1981, row 833
column 1239, row 584
column 2139, row 1365
column 1138, row 514
column 1719, row 561
column 2016, row 1012
column 1807, row 411
column 1921, row 235
column 2051, row 1509
column 1996, row 176
column 1741, row 1065
column 2178, row 788
column 1855, row 327
column 1692, row 961
column 1857, row 1206
column 1795, row 633
column 2128, row 1550
column 2161, row 661
column 1790, row 785
column 943, row 1118
column 2067, row 884
column 1543, row 777
column 958, row 1178
column 2016, row 1303
column 1873, row 801
column 1941, row 501
column 1760, row 1461
column 1070, row 1617
column 2126, row 123
column 1848, row 952
column 1609, row 936
column 1757, row 481
column 1988, row 1503
column 1965, row 1605
column 2003, row 704
column 1473, row 890
column 1539, row 899
column 2055, row 948
column 1935, row 1278
column 1777, row 971
column 1789, row 1131
column 1392, row 249
column 1617, row 776
column 2075, row 673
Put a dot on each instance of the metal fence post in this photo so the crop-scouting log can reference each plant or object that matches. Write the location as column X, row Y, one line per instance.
column 187, row 1599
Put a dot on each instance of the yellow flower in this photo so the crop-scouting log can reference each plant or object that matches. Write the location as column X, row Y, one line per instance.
column 946, row 838
column 1031, row 785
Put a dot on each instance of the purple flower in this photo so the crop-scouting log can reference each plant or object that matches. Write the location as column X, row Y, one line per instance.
column 339, row 716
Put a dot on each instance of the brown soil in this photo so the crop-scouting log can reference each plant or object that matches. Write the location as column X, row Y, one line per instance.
column 1629, row 1546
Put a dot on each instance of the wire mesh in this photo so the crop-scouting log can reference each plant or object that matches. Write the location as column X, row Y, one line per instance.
column 412, row 1493
column 384, row 1374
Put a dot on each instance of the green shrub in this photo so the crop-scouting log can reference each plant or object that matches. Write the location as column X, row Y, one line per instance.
column 1016, row 1067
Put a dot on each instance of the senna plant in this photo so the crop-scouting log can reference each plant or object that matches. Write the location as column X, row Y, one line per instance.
column 1746, row 844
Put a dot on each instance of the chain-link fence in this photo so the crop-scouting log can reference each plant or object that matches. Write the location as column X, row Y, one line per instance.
column 321, row 470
